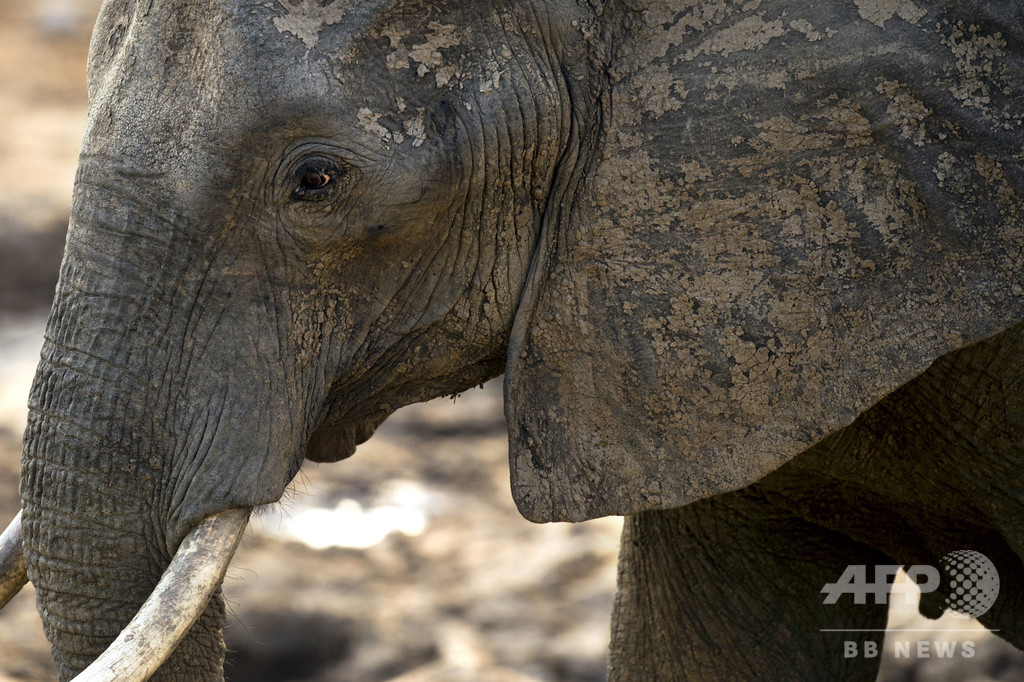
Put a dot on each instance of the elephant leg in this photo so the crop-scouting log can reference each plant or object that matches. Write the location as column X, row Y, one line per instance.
column 729, row 588
column 936, row 466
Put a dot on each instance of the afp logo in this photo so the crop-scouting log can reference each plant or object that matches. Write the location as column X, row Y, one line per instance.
column 971, row 579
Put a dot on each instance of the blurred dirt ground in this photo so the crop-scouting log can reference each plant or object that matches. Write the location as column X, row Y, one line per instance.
column 461, row 589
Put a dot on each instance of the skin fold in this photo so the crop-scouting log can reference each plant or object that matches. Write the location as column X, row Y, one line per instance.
column 752, row 272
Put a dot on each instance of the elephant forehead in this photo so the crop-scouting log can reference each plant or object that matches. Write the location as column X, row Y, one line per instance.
column 239, row 49
column 304, row 20
column 370, row 68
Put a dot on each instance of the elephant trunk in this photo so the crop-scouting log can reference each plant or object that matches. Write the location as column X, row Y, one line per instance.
column 92, row 484
column 124, row 456
column 158, row 402
column 95, row 562
column 181, row 597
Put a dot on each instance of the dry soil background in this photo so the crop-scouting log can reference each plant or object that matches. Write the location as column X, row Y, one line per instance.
column 408, row 562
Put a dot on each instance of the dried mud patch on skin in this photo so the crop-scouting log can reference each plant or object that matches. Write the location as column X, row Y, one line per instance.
column 880, row 11
column 304, row 19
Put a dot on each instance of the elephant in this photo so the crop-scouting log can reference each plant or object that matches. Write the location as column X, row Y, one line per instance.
column 753, row 272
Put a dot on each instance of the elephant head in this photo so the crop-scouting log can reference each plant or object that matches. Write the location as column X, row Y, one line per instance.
column 696, row 239
column 289, row 221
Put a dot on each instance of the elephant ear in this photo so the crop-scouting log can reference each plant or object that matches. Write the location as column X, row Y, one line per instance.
column 794, row 209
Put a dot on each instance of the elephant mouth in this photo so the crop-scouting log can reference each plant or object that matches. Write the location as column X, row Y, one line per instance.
column 332, row 442
column 184, row 590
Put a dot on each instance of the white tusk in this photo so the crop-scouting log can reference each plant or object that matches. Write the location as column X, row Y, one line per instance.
column 174, row 606
column 12, row 562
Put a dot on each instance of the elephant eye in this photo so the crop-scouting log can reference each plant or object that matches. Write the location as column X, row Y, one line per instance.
column 315, row 183
column 315, row 180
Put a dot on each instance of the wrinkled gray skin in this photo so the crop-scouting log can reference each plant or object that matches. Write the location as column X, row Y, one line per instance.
column 715, row 247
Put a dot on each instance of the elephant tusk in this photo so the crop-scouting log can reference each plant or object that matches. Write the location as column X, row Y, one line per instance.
column 174, row 606
column 12, row 562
